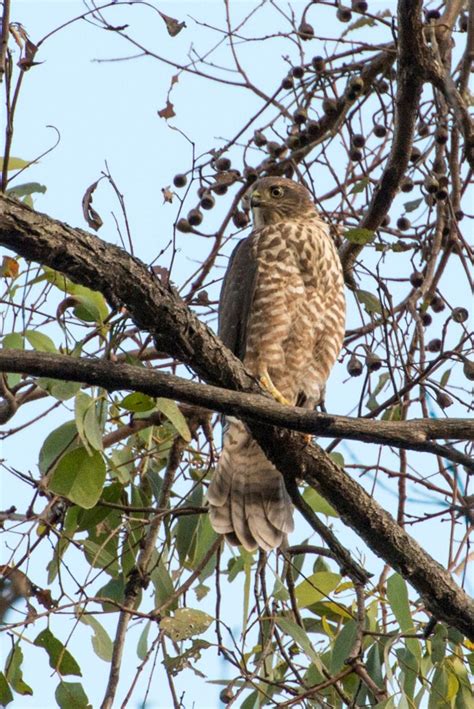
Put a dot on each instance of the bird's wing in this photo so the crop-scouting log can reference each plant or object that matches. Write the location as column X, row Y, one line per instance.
column 236, row 298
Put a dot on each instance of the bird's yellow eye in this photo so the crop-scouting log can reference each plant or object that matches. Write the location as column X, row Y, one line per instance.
column 277, row 192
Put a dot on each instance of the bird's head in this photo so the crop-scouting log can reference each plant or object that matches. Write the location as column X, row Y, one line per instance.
column 276, row 199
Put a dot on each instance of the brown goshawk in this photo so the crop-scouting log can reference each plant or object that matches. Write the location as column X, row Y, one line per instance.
column 282, row 312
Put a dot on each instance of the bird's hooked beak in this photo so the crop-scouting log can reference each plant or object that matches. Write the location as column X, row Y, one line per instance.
column 255, row 199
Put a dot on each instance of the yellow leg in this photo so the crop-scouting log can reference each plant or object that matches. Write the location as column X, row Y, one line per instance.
column 266, row 383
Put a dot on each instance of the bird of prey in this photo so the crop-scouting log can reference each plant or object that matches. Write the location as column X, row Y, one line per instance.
column 282, row 312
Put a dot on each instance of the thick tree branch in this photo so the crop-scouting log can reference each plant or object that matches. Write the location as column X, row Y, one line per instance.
column 411, row 62
column 124, row 280
column 416, row 434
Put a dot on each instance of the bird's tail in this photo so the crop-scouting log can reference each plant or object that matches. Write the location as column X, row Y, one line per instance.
column 248, row 501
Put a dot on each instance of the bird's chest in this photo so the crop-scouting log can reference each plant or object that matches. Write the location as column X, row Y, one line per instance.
column 291, row 254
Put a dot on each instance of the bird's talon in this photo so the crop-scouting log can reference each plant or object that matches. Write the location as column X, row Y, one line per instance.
column 267, row 384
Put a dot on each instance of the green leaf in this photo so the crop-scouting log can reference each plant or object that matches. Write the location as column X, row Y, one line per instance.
column 397, row 594
column 318, row 503
column 163, row 584
column 301, row 638
column 13, row 341
column 360, row 186
column 80, row 477
column 414, row 204
column 87, row 422
column 316, row 587
column 343, row 645
column 90, row 307
column 115, row 590
column 5, row 692
column 14, row 675
column 359, row 236
column 142, row 647
column 445, row 378
column 59, row 388
column 39, row 341
column 186, row 526
column 71, row 695
column 338, row 458
column 137, row 402
column 186, row 623
column 170, row 409
column 16, row 163
column 369, row 301
column 56, row 444
column 101, row 557
column 60, row 658
column 101, row 642
column 27, row 188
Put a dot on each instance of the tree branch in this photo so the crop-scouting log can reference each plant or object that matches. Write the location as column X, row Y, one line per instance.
column 416, row 434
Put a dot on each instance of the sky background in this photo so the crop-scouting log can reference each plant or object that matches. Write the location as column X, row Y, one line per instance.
column 106, row 113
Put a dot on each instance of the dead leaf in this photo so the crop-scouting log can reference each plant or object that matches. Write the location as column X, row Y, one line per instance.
column 173, row 26
column 167, row 195
column 27, row 61
column 167, row 111
column 9, row 267
column 90, row 215
column 43, row 596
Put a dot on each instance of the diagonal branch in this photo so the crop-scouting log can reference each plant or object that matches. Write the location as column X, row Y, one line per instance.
column 157, row 309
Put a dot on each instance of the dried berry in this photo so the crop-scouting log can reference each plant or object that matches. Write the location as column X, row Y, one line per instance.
column 240, row 219
column 431, row 184
column 373, row 362
column 250, row 174
column 385, row 221
column 403, row 223
column 329, row 105
column 443, row 399
column 183, row 225
column 275, row 149
column 313, row 128
column 434, row 345
column 463, row 22
column 287, row 83
column 441, row 135
column 423, row 129
column 259, row 138
column 195, row 217
column 432, row 15
column 426, row 319
column 356, row 84
column 468, row 369
column 415, row 154
column 459, row 214
column 379, row 130
column 357, row 140
column 437, row 304
column 293, row 142
column 416, row 279
column 441, row 194
column 355, row 154
column 318, row 63
column 298, row 72
column 355, row 366
column 222, row 164
column 226, row 695
column 207, row 201
column 300, row 116
column 360, row 5
column 219, row 188
column 383, row 86
column 406, row 184
column 180, row 180
column 460, row 314
column 343, row 14
column 305, row 31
